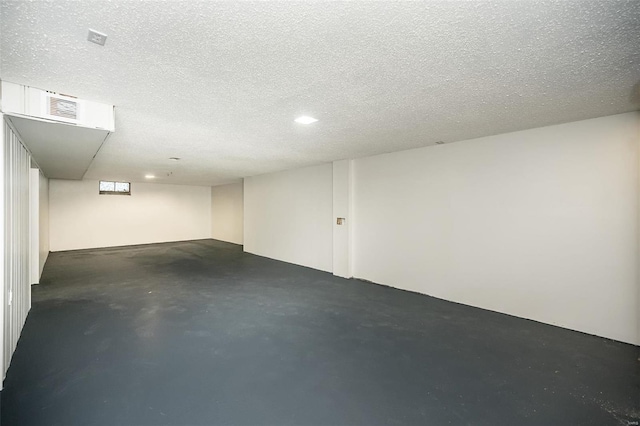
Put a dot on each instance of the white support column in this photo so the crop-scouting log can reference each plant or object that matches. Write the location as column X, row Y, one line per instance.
column 34, row 227
column 342, row 217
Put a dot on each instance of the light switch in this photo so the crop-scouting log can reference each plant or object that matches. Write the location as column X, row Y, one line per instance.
column 340, row 220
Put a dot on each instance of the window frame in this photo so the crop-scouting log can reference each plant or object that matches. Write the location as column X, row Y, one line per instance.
column 114, row 192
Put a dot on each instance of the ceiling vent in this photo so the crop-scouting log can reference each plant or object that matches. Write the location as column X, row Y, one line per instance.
column 63, row 108
column 97, row 37
column 48, row 105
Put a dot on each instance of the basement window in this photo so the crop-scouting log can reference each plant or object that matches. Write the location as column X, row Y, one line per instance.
column 118, row 188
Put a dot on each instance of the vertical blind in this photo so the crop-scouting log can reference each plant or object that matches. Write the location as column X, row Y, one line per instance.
column 16, row 289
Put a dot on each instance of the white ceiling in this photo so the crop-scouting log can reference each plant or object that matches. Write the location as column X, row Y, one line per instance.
column 220, row 83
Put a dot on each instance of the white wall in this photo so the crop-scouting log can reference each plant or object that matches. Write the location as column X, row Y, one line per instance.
column 38, row 223
column 44, row 221
column 342, row 196
column 81, row 218
column 227, row 212
column 288, row 216
column 541, row 224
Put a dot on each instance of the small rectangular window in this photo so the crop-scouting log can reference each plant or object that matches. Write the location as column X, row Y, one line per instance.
column 110, row 187
column 122, row 187
column 107, row 186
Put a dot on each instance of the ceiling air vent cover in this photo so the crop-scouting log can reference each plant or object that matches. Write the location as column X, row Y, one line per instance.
column 63, row 108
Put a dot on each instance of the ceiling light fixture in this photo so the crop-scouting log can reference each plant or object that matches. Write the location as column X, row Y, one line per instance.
column 305, row 120
column 149, row 176
column 174, row 158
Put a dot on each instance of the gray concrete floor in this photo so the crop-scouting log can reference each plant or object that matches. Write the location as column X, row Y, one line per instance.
column 201, row 333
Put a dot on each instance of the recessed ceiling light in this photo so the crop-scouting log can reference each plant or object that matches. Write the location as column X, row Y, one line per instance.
column 149, row 176
column 305, row 120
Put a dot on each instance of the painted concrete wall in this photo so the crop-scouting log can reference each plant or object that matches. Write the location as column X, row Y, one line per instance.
column 82, row 218
column 540, row 224
column 227, row 212
column 44, row 221
column 288, row 216
column 342, row 195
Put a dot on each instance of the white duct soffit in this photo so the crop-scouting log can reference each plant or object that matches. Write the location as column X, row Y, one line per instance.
column 63, row 133
column 63, row 151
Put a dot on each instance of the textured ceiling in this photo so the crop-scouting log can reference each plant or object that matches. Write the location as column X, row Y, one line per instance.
column 219, row 83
